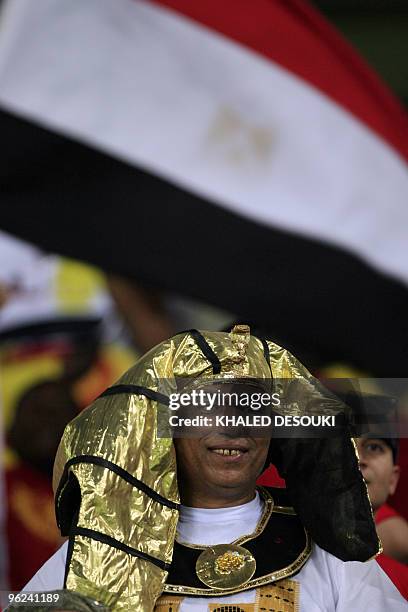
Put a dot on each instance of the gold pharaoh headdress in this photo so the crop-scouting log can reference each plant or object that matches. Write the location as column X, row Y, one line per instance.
column 115, row 479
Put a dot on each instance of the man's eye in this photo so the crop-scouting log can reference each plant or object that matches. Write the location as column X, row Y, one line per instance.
column 373, row 447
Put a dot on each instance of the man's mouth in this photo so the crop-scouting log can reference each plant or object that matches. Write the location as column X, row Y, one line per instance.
column 228, row 451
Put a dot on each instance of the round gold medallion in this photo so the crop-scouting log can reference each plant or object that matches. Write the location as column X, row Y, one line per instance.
column 225, row 566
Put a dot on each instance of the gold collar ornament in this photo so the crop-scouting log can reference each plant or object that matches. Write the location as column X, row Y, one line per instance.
column 225, row 566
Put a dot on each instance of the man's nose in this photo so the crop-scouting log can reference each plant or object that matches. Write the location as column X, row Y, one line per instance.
column 362, row 462
column 234, row 431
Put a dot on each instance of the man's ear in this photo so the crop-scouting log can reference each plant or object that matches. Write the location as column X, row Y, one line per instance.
column 396, row 470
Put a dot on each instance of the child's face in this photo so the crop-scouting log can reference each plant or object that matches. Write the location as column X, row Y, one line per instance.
column 378, row 469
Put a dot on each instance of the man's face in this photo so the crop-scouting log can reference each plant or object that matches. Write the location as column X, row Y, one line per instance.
column 378, row 469
column 219, row 466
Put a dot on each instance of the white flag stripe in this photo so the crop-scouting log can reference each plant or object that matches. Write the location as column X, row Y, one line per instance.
column 150, row 87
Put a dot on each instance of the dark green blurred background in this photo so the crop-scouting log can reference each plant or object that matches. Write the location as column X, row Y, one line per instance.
column 379, row 29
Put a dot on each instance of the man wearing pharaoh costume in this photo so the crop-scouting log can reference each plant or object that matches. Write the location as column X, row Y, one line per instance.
column 227, row 546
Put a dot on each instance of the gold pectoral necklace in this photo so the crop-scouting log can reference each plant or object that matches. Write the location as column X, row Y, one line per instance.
column 231, row 568
column 225, row 566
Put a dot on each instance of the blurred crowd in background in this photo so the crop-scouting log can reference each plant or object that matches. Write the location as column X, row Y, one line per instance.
column 67, row 332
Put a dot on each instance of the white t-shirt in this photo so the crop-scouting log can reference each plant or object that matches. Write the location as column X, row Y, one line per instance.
column 326, row 583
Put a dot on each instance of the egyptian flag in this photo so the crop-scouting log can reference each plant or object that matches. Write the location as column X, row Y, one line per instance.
column 236, row 152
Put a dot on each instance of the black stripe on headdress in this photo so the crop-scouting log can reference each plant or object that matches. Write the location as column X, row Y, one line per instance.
column 136, row 390
column 119, row 471
column 105, row 539
column 206, row 349
column 266, row 353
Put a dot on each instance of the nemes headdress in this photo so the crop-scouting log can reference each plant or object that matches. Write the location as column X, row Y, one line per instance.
column 115, row 479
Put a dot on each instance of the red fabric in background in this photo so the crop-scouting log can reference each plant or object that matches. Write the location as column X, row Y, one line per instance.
column 383, row 513
column 32, row 533
column 399, row 501
column 271, row 478
column 397, row 572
